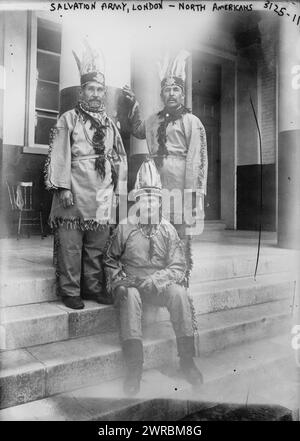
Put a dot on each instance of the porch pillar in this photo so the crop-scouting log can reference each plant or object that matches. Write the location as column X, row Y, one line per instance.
column 145, row 83
column 289, row 135
column 146, row 86
column 3, row 226
column 69, row 79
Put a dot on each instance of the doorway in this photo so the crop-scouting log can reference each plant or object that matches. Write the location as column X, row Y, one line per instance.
column 206, row 102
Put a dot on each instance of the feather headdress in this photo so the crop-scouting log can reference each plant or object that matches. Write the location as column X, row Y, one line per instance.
column 172, row 69
column 91, row 66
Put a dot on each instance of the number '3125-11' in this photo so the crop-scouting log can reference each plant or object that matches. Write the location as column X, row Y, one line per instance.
column 270, row 5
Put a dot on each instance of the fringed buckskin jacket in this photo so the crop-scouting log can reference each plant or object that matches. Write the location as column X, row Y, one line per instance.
column 131, row 255
column 93, row 174
column 178, row 145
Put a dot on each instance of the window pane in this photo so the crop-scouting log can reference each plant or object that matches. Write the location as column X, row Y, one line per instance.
column 43, row 126
column 48, row 67
column 48, row 36
column 47, row 96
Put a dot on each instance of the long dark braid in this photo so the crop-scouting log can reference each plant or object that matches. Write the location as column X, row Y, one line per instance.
column 167, row 117
column 97, row 140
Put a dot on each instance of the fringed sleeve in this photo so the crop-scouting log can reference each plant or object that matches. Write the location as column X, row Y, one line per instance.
column 58, row 164
column 111, row 258
column 196, row 160
column 137, row 126
column 119, row 159
column 175, row 270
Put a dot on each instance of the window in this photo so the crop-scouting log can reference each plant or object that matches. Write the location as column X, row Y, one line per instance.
column 43, row 84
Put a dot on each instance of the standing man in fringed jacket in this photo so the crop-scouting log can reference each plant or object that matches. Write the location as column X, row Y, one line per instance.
column 176, row 140
column 86, row 168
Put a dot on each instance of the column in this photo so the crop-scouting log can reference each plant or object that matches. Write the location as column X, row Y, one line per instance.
column 289, row 135
column 3, row 189
column 69, row 78
column 145, row 83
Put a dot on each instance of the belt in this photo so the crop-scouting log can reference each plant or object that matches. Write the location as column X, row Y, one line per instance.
column 86, row 157
column 155, row 155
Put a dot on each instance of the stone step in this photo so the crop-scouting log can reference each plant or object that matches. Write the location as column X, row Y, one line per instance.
column 214, row 267
column 260, row 373
column 35, row 283
column 34, row 324
column 214, row 225
column 235, row 293
column 48, row 369
column 35, row 286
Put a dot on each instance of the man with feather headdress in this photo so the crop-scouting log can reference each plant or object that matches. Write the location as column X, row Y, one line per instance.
column 86, row 168
column 176, row 140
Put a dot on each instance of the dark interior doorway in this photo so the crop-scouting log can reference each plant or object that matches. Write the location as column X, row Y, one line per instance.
column 206, row 95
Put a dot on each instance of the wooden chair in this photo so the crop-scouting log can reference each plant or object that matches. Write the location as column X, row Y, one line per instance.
column 21, row 200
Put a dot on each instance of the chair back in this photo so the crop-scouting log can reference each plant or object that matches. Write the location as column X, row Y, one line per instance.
column 24, row 196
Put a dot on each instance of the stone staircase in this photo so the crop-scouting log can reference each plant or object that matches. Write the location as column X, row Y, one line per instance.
column 52, row 357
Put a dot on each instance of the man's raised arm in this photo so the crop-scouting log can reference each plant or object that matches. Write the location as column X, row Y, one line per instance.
column 137, row 126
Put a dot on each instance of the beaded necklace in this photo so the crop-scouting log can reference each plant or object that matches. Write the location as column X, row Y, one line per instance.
column 150, row 237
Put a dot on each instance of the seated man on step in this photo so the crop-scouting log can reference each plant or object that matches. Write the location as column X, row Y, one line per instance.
column 145, row 262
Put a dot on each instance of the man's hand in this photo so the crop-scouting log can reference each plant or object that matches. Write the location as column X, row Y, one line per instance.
column 120, row 293
column 129, row 94
column 66, row 198
column 197, row 204
column 147, row 287
column 197, row 207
